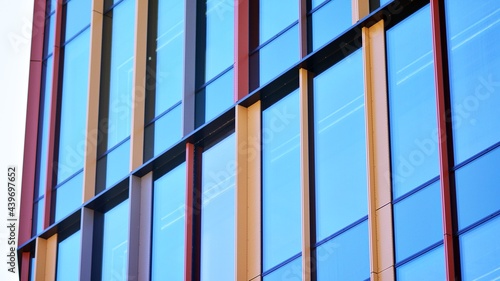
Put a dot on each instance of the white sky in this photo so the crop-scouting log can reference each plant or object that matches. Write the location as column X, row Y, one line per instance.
column 15, row 43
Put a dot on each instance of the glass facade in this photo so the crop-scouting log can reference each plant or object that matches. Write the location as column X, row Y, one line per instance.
column 270, row 140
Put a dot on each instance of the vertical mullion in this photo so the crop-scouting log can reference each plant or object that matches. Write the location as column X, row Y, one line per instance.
column 188, row 262
column 444, row 129
column 241, row 48
column 304, row 177
column 146, row 212
column 360, row 9
column 303, row 36
column 378, row 161
column 188, row 98
column 134, row 215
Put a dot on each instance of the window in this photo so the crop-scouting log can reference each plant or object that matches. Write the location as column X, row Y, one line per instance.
column 115, row 106
column 281, row 211
column 68, row 256
column 168, row 238
column 73, row 108
column 329, row 19
column 215, row 57
column 341, row 198
column 165, row 69
column 218, row 256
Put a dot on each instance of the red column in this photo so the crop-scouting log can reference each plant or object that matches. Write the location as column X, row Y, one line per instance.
column 188, row 262
column 241, row 48
column 442, row 89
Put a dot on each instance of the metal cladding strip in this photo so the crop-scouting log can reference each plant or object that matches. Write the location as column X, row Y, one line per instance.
column 442, row 90
column 241, row 48
column 188, row 262
column 303, row 30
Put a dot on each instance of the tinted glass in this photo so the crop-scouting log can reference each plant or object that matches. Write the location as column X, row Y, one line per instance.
column 169, row 208
column 345, row 257
column 412, row 103
column 477, row 189
column 315, row 3
column 290, row 271
column 418, row 221
column 49, row 36
column 472, row 30
column 169, row 54
column 114, row 166
column 219, row 95
column 429, row 266
column 220, row 37
column 45, row 118
column 121, row 71
column 279, row 55
column 340, row 146
column 115, row 243
column 330, row 21
column 275, row 15
column 218, row 211
column 38, row 211
column 73, row 115
column 68, row 258
column 167, row 130
column 68, row 197
column 77, row 16
column 281, row 215
column 480, row 252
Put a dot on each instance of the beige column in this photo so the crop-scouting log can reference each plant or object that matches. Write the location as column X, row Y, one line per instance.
column 87, row 232
column 139, row 85
column 90, row 158
column 45, row 259
column 360, row 9
column 304, row 175
column 248, row 193
column 145, row 227
column 377, row 132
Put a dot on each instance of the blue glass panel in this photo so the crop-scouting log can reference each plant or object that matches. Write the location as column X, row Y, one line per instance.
column 412, row 103
column 122, row 63
column 418, row 221
column 219, row 95
column 52, row 6
column 68, row 197
column 73, row 116
column 340, row 144
column 275, row 15
column 477, row 189
column 292, row 271
column 39, row 210
column 118, row 162
column 316, row 3
column 279, row 55
column 169, row 54
column 68, row 258
column 480, row 252
column 281, row 215
column 115, row 243
column 218, row 211
column 45, row 117
column 383, row 2
column 220, row 37
column 168, row 226
column 50, row 31
column 473, row 30
column 345, row 257
column 77, row 17
column 429, row 267
column 168, row 130
column 330, row 21
column 32, row 269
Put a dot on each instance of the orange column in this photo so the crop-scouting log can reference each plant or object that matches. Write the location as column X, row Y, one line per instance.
column 241, row 48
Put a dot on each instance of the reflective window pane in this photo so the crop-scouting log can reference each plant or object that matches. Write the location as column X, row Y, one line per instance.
column 219, row 95
column 77, row 17
column 418, row 222
column 429, row 267
column 73, row 115
column 472, row 29
column 68, row 197
column 115, row 243
column 279, row 55
column 68, row 258
column 345, row 257
column 275, row 15
column 340, row 146
column 38, row 214
column 164, row 132
column 43, row 140
column 219, row 36
column 167, row 258
column 218, row 211
column 291, row 271
column 330, row 21
column 412, row 103
column 477, row 189
column 49, row 40
column 113, row 167
column 281, row 215
column 480, row 252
